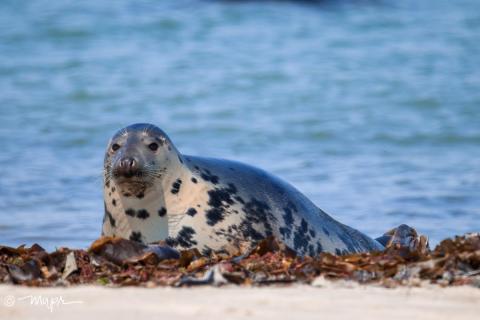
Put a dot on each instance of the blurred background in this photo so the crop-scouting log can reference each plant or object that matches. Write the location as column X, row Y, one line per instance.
column 371, row 108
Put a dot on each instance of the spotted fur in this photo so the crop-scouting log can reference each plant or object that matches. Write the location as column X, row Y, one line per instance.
column 212, row 204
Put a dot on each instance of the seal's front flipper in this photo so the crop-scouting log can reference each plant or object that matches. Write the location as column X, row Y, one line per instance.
column 404, row 237
column 163, row 252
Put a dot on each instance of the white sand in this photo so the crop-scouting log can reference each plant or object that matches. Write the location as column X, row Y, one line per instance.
column 297, row 302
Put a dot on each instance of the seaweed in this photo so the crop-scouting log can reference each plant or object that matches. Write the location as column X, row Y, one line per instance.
column 120, row 262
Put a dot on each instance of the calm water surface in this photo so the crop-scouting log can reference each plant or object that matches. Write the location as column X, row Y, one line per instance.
column 371, row 108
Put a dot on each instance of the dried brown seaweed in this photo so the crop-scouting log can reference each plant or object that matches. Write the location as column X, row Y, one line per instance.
column 121, row 262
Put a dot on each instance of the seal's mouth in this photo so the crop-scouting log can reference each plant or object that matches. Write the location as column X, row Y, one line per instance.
column 129, row 176
column 131, row 179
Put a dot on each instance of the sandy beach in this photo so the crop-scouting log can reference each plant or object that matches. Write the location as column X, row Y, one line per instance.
column 294, row 302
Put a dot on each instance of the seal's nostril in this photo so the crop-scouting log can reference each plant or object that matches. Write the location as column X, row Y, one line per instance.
column 128, row 163
column 127, row 167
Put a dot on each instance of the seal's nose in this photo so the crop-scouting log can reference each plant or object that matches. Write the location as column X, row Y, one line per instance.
column 127, row 167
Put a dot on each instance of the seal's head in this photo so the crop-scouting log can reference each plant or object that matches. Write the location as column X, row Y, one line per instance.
column 136, row 156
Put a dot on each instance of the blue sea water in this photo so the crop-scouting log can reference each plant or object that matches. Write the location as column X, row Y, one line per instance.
column 371, row 108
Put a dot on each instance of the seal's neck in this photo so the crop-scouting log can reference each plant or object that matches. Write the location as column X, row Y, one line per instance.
column 155, row 214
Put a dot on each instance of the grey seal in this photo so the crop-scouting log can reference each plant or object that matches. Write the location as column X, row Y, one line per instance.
column 152, row 192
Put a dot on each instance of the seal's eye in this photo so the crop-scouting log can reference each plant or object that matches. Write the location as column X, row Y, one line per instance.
column 153, row 146
column 115, row 147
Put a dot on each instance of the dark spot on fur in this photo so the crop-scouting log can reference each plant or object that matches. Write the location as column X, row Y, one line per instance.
column 239, row 199
column 207, row 251
column 127, row 194
column 325, row 230
column 311, row 250
column 214, row 216
column 208, row 176
column 162, row 212
column 342, row 252
column 176, row 186
column 250, row 232
column 130, row 212
column 108, row 215
column 288, row 216
column 194, row 180
column 257, row 215
column 219, row 200
column 312, row 233
column 136, row 236
column 301, row 239
column 171, row 241
column 113, row 189
column 140, row 195
column 185, row 237
column 108, row 184
column 319, row 247
column 114, row 202
column 191, row 212
column 286, row 230
column 142, row 214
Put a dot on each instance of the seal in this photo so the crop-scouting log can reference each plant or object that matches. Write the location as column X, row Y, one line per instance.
column 152, row 192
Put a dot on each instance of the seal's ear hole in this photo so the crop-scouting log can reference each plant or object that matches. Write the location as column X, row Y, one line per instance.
column 115, row 146
column 153, row 146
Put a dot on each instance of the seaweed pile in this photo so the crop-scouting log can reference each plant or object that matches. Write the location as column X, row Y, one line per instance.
column 121, row 262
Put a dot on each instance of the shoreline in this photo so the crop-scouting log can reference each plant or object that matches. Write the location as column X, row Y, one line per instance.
column 232, row 302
